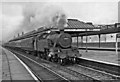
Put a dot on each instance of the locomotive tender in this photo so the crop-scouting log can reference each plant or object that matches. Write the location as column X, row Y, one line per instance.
column 53, row 46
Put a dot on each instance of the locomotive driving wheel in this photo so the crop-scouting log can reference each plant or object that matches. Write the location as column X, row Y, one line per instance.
column 61, row 61
column 49, row 58
column 74, row 60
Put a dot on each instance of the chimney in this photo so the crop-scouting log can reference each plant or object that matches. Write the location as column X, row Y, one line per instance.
column 22, row 33
column 18, row 35
column 90, row 23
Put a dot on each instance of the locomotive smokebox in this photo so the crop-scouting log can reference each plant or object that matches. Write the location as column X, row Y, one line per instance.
column 64, row 40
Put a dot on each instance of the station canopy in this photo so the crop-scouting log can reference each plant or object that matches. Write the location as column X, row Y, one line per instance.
column 76, row 24
column 77, row 28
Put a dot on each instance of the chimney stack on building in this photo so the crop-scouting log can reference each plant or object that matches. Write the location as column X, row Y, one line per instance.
column 18, row 34
column 22, row 33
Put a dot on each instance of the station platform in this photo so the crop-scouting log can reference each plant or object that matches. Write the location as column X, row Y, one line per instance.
column 13, row 69
column 101, row 56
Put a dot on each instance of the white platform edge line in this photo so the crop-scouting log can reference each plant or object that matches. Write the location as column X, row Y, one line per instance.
column 100, row 61
column 27, row 68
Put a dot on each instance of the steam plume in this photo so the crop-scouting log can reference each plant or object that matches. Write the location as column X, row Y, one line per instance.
column 47, row 15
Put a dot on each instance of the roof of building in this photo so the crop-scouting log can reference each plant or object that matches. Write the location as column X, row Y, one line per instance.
column 76, row 24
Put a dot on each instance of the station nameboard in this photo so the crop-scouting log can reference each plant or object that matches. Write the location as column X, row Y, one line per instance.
column 118, row 35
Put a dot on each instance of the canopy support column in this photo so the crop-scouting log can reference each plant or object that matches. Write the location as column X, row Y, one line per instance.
column 99, row 40
column 81, row 41
column 77, row 42
column 86, row 44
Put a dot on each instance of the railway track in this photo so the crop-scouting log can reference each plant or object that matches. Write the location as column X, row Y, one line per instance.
column 95, row 74
column 88, row 73
column 71, row 73
column 43, row 73
column 106, row 67
column 68, row 75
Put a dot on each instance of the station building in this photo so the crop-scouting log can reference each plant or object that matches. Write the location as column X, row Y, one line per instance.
column 94, row 36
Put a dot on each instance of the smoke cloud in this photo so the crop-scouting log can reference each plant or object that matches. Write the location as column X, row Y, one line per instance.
column 43, row 15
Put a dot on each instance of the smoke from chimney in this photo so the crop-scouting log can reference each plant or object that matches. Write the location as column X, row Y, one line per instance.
column 45, row 15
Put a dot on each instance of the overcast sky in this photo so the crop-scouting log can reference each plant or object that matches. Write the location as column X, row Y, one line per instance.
column 98, row 12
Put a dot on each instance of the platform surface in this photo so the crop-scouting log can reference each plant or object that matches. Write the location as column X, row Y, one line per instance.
column 12, row 69
column 105, row 56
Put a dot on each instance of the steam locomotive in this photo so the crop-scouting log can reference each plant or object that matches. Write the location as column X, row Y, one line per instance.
column 55, row 46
